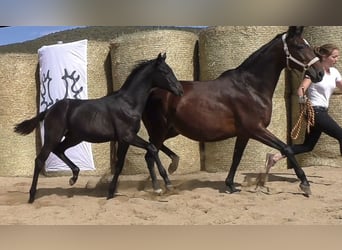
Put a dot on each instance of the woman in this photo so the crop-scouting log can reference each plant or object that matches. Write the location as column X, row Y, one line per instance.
column 319, row 95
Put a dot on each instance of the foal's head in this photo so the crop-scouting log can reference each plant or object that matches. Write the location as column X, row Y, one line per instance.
column 300, row 55
column 163, row 76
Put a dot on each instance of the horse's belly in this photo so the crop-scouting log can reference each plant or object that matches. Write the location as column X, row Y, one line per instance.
column 206, row 130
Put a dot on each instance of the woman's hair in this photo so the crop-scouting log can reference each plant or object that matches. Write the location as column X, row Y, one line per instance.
column 325, row 50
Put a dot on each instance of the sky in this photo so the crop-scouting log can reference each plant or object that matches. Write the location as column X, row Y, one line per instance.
column 17, row 34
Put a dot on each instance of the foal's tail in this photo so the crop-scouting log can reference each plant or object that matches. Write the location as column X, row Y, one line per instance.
column 27, row 126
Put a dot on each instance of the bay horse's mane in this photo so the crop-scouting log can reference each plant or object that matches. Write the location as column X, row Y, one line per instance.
column 250, row 60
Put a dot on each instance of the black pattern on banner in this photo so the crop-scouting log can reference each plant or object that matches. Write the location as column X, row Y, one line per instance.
column 45, row 91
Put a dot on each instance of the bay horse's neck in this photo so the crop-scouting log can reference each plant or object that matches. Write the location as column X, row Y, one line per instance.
column 264, row 67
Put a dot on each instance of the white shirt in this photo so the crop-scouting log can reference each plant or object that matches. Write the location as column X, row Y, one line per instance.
column 319, row 93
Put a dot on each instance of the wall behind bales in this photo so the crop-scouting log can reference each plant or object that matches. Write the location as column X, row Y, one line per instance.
column 18, row 97
column 327, row 150
column 223, row 48
column 180, row 48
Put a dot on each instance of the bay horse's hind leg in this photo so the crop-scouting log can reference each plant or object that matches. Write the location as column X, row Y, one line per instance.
column 269, row 139
column 239, row 148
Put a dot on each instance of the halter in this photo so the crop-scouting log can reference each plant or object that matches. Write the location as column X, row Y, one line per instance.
column 290, row 57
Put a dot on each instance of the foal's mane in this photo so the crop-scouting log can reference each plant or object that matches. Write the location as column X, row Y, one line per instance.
column 138, row 67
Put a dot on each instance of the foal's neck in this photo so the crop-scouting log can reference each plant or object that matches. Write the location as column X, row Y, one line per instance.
column 137, row 89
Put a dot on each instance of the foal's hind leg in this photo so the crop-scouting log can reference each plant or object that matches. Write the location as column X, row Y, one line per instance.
column 60, row 152
column 39, row 164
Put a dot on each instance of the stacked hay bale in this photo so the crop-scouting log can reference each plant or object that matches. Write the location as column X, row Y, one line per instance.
column 18, row 95
column 327, row 150
column 223, row 48
column 180, row 48
column 100, row 84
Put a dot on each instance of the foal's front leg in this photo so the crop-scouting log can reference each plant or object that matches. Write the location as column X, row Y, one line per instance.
column 121, row 154
column 152, row 152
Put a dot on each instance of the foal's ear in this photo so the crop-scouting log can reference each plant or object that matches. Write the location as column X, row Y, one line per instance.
column 161, row 57
column 295, row 31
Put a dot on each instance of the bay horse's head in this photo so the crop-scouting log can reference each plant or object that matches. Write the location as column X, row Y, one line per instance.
column 163, row 76
column 300, row 55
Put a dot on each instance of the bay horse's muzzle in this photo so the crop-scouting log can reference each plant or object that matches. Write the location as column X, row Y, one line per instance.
column 314, row 74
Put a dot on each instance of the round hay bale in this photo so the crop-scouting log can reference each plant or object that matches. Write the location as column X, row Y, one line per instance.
column 100, row 84
column 326, row 151
column 17, row 103
column 223, row 48
column 180, row 48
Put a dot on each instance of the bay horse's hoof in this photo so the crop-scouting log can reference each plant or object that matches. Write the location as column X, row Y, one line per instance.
column 306, row 189
column 230, row 189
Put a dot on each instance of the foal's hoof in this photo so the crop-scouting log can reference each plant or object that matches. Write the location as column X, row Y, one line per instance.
column 230, row 189
column 158, row 191
column 72, row 181
column 306, row 189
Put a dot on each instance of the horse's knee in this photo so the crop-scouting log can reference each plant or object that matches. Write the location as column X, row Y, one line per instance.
column 287, row 151
column 152, row 150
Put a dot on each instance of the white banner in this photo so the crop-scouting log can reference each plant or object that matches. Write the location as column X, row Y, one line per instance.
column 63, row 74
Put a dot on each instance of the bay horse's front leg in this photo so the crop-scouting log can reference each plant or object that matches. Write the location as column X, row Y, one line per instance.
column 174, row 158
column 271, row 140
column 239, row 148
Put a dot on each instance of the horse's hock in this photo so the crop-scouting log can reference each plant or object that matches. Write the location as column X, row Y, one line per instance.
column 180, row 48
column 327, row 150
column 223, row 48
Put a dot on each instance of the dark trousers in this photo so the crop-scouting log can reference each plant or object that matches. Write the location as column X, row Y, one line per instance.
column 323, row 123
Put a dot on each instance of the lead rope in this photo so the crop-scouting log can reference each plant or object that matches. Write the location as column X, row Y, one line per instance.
column 307, row 114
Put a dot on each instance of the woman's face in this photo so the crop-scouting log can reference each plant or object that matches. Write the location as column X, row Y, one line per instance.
column 331, row 59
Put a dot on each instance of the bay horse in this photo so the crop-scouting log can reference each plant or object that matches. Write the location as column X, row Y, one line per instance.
column 115, row 117
column 236, row 104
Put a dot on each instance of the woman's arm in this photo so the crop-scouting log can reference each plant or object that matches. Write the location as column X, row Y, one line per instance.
column 304, row 86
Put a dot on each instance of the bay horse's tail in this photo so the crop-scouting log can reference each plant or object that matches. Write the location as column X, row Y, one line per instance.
column 27, row 126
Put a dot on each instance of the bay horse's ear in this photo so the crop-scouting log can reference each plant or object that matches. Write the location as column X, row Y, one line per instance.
column 164, row 56
column 295, row 31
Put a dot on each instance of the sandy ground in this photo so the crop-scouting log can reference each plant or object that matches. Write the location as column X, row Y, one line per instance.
column 198, row 199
